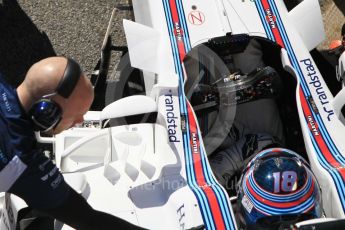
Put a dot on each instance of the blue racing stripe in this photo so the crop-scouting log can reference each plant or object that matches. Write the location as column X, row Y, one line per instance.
column 194, row 182
column 171, row 36
column 173, row 48
column 177, row 61
column 199, row 194
column 216, row 188
column 306, row 91
column 317, row 117
column 323, row 130
column 289, row 49
column 264, row 22
column 184, row 25
column 333, row 173
column 329, row 140
column 202, row 200
column 224, row 203
column 278, row 211
column 276, row 198
column 205, row 168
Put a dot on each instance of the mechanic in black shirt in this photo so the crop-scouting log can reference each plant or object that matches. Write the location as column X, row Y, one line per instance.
column 53, row 97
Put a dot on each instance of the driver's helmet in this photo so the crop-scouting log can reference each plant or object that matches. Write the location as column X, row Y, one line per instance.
column 277, row 189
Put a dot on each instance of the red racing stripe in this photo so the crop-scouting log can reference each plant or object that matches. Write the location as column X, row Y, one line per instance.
column 194, row 141
column 272, row 22
column 319, row 138
column 178, row 31
column 322, row 145
column 280, row 204
column 198, row 167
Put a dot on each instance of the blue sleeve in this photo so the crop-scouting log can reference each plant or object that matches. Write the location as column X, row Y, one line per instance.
column 16, row 133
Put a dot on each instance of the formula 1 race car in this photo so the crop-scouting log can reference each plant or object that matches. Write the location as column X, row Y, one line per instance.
column 144, row 155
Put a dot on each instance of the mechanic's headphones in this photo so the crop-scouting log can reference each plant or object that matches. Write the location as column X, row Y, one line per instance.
column 45, row 113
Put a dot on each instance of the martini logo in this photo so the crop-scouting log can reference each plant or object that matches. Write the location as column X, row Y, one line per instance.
column 270, row 18
column 195, row 143
column 178, row 31
column 313, row 127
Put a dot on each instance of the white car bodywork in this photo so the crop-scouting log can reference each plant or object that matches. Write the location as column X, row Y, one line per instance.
column 157, row 175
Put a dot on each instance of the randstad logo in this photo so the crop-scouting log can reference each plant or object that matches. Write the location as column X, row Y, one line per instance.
column 171, row 119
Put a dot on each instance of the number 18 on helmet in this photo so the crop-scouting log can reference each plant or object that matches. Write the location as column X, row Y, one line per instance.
column 278, row 189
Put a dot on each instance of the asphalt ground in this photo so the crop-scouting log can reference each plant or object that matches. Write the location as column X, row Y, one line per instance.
column 333, row 12
column 34, row 29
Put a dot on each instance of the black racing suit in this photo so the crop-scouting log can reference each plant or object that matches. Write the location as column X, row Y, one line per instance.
column 256, row 126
